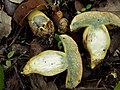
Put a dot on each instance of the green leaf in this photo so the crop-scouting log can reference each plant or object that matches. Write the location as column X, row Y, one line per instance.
column 88, row 6
column 57, row 37
column 117, row 87
column 10, row 54
column 1, row 78
column 83, row 9
column 60, row 45
column 8, row 63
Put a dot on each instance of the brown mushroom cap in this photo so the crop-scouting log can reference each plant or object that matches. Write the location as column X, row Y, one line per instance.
column 25, row 8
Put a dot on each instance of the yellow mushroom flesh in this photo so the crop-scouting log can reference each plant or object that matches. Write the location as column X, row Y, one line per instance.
column 96, row 38
column 50, row 62
column 47, row 63
column 97, row 42
column 40, row 24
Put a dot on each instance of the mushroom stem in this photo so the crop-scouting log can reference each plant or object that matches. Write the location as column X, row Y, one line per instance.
column 97, row 42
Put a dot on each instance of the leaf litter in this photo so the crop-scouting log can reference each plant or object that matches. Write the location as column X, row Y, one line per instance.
column 5, row 24
column 99, row 78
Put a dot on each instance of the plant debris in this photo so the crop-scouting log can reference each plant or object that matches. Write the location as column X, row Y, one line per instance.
column 5, row 24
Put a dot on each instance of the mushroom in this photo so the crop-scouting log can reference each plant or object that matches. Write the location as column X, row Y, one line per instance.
column 26, row 7
column 63, row 25
column 51, row 62
column 40, row 24
column 96, row 38
column 47, row 63
column 75, row 68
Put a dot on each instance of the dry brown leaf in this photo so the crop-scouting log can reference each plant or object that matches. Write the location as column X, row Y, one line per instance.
column 36, row 48
column 39, row 83
column 52, row 86
column 111, row 5
column 57, row 14
column 5, row 24
column 78, row 5
column 115, row 40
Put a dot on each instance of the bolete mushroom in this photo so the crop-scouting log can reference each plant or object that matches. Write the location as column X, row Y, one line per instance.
column 40, row 24
column 50, row 62
column 75, row 68
column 47, row 63
column 96, row 38
column 31, row 10
column 25, row 8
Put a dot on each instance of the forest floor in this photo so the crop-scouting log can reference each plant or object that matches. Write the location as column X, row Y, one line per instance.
column 17, row 47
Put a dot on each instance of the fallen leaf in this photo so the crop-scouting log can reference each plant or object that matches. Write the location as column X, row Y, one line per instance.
column 111, row 5
column 78, row 5
column 13, row 83
column 52, row 86
column 38, row 82
column 117, row 87
column 36, row 47
column 5, row 24
column 10, row 7
column 115, row 40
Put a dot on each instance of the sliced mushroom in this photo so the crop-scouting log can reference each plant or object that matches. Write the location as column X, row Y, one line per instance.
column 75, row 68
column 97, row 42
column 50, row 62
column 96, row 38
column 47, row 63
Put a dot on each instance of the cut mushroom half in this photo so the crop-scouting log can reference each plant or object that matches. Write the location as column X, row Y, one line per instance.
column 50, row 62
column 47, row 63
column 96, row 38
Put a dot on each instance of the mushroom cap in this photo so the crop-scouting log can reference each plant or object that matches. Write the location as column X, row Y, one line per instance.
column 75, row 68
column 94, row 18
column 26, row 7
